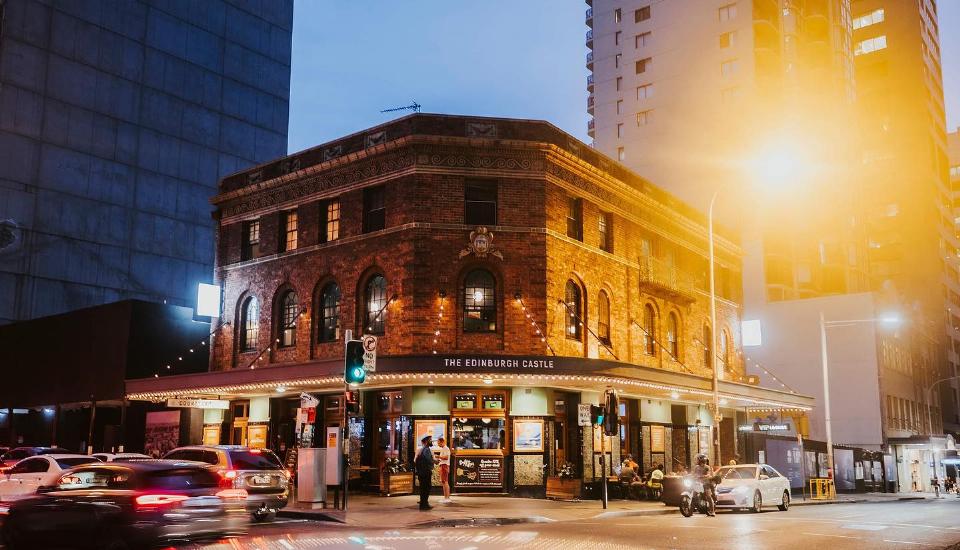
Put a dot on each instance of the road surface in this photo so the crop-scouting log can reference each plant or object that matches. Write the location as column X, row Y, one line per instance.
column 910, row 524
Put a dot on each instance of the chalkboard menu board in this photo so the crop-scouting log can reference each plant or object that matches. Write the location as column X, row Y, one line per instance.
column 479, row 471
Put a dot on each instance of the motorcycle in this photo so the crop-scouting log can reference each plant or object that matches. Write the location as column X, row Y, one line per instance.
column 693, row 499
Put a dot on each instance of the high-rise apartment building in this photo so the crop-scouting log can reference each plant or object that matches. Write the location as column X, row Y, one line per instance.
column 835, row 108
column 117, row 118
column 913, row 243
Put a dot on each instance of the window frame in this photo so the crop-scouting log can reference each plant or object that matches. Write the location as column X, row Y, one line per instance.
column 327, row 311
column 289, row 310
column 573, row 312
column 641, row 65
column 250, row 239
column 374, row 325
column 574, row 218
column 640, row 40
column 642, row 14
column 486, row 322
column 329, row 226
column 603, row 317
column 473, row 208
column 288, row 230
column 374, row 209
column 673, row 335
column 707, row 337
column 249, row 328
column 650, row 330
column 605, row 229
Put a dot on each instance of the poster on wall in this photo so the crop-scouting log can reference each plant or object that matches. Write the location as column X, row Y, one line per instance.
column 784, row 456
column 822, row 464
column 434, row 428
column 704, row 440
column 527, row 436
column 657, row 434
column 211, row 435
column 810, row 464
column 845, row 472
column 162, row 432
column 257, row 436
column 479, row 471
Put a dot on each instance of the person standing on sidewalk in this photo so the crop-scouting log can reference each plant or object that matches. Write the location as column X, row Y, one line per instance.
column 423, row 465
column 444, row 459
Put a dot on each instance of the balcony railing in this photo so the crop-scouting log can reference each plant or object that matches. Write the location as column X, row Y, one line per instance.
column 590, row 102
column 591, row 126
column 590, row 82
column 659, row 277
column 589, row 17
column 590, row 60
column 590, row 38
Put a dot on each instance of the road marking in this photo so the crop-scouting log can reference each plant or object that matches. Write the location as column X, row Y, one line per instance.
column 864, row 527
column 909, row 542
column 826, row 535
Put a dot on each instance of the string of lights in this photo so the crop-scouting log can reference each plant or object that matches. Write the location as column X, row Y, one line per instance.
column 534, row 324
column 293, row 323
column 436, row 332
column 767, row 372
column 376, row 318
column 662, row 347
column 191, row 350
column 577, row 319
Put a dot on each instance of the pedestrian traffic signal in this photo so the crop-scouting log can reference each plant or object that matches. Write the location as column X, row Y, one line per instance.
column 596, row 415
column 353, row 371
column 611, row 417
column 351, row 399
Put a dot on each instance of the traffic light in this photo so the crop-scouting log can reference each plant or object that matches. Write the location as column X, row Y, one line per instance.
column 596, row 415
column 353, row 371
column 351, row 399
column 611, row 420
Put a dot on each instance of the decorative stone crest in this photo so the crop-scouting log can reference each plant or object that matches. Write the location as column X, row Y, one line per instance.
column 481, row 244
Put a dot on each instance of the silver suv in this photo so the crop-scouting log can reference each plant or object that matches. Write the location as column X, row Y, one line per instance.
column 258, row 471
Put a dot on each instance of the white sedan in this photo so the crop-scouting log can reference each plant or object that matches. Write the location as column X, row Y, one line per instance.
column 752, row 486
column 35, row 472
column 119, row 457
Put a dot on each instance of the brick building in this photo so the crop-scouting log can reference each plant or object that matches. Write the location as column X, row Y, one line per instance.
column 510, row 273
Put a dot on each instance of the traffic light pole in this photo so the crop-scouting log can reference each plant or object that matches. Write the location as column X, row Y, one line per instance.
column 603, row 466
column 345, row 431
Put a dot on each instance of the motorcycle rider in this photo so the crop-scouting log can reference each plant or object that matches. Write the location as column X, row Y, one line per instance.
column 704, row 474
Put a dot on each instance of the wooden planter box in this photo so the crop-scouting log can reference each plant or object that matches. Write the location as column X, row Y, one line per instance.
column 396, row 484
column 564, row 489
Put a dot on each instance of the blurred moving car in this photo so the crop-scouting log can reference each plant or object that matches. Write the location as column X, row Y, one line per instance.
column 126, row 504
column 35, row 472
column 120, row 457
column 752, row 486
column 17, row 454
column 257, row 471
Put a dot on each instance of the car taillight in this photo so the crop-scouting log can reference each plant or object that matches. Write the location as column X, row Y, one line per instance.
column 151, row 501
column 227, row 478
column 288, row 473
column 233, row 494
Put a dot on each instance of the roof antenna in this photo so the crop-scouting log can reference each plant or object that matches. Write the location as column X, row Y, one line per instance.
column 415, row 107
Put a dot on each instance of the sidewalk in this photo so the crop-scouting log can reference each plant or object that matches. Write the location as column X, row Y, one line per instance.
column 371, row 511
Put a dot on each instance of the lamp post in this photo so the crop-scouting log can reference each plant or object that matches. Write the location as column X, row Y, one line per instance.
column 717, row 417
column 826, row 371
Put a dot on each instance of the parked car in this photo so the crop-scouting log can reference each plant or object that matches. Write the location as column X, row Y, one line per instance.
column 752, row 486
column 257, row 471
column 126, row 504
column 13, row 456
column 120, row 457
column 35, row 472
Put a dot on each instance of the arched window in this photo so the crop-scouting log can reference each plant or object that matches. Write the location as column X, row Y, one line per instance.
column 249, row 324
column 479, row 302
column 375, row 300
column 603, row 317
column 287, row 323
column 574, row 312
column 649, row 330
column 673, row 336
column 329, row 313
column 707, row 347
column 724, row 350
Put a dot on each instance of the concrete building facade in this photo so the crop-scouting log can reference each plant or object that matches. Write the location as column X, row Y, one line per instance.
column 117, row 118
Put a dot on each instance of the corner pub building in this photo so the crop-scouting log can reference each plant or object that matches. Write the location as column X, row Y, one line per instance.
column 510, row 273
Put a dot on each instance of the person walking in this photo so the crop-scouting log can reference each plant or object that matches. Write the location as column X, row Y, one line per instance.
column 444, row 469
column 423, row 464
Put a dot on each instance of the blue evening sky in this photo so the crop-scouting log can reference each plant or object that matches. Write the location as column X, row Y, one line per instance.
column 511, row 58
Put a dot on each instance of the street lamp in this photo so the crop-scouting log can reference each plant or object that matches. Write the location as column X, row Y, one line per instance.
column 889, row 319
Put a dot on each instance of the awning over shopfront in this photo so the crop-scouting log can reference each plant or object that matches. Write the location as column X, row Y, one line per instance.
column 450, row 370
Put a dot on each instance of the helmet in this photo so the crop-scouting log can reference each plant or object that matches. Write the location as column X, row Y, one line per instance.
column 701, row 458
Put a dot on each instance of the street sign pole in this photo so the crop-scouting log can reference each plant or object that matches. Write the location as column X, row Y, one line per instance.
column 345, row 431
column 603, row 467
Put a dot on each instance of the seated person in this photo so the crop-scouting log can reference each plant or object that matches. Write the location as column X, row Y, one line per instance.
column 630, row 480
column 655, row 483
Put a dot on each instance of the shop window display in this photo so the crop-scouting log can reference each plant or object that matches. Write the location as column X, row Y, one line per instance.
column 478, row 433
